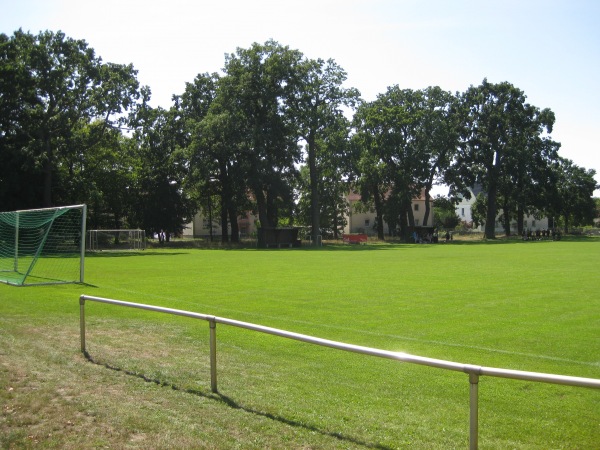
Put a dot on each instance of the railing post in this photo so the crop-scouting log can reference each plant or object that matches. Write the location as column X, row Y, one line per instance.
column 474, row 410
column 213, row 354
column 82, row 322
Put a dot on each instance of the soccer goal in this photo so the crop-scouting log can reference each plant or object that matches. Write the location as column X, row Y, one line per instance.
column 105, row 240
column 43, row 246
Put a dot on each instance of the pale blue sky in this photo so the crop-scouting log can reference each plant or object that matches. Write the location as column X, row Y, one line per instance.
column 550, row 49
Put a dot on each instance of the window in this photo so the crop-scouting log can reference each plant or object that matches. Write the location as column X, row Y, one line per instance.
column 367, row 222
column 416, row 222
column 416, row 206
column 462, row 212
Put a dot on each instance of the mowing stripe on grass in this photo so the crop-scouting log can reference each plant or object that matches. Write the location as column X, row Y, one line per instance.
column 140, row 294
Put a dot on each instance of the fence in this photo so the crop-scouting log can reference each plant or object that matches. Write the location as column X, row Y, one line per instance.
column 473, row 371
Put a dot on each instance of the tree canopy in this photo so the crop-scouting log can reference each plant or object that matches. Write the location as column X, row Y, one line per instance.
column 51, row 87
column 275, row 133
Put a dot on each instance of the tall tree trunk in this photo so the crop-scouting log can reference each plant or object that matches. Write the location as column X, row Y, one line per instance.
column 490, row 220
column 224, row 228
column 235, row 229
column 506, row 222
column 403, row 224
column 379, row 213
column 225, row 199
column 520, row 218
column 492, row 194
column 408, row 212
column 262, row 208
column 427, row 207
column 272, row 212
column 505, row 217
column 315, row 212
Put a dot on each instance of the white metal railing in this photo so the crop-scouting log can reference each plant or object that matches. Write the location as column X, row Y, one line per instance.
column 473, row 371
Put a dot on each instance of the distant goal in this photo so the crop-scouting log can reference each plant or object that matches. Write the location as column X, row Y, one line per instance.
column 116, row 240
column 42, row 246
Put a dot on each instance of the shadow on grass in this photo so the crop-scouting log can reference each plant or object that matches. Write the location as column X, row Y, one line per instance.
column 333, row 246
column 123, row 254
column 235, row 405
column 517, row 240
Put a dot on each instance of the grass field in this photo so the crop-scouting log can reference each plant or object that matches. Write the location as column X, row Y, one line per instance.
column 520, row 305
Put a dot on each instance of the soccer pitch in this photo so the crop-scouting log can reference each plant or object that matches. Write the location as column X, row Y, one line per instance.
column 530, row 306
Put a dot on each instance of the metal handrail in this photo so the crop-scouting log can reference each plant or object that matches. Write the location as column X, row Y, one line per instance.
column 474, row 371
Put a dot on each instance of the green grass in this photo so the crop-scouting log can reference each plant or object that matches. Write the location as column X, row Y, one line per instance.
column 528, row 306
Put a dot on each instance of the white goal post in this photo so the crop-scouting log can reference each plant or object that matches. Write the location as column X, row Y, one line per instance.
column 43, row 246
column 116, row 240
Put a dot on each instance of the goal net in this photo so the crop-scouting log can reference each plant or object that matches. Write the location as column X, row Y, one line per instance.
column 105, row 240
column 42, row 246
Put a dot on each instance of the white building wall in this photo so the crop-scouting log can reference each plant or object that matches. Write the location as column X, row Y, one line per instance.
column 463, row 211
column 364, row 222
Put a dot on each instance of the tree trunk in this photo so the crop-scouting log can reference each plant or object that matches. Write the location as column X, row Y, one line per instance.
column 224, row 229
column 235, row 229
column 408, row 212
column 427, row 205
column 506, row 222
column 272, row 212
column 225, row 200
column 490, row 221
column 315, row 212
column 520, row 218
column 262, row 208
column 379, row 214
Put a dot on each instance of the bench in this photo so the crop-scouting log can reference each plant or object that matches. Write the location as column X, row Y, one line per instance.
column 355, row 238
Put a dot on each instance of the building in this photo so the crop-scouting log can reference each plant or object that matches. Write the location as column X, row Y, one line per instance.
column 356, row 222
column 200, row 226
column 464, row 212
column 364, row 222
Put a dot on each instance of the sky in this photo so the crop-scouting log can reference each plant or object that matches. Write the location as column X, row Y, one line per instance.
column 550, row 49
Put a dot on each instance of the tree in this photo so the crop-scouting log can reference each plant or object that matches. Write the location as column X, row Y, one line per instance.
column 317, row 103
column 371, row 172
column 160, row 171
column 254, row 92
column 213, row 140
column 444, row 213
column 479, row 210
column 498, row 125
column 438, row 137
column 334, row 166
column 51, row 86
column 101, row 176
column 524, row 179
column 20, row 179
column 393, row 162
column 573, row 200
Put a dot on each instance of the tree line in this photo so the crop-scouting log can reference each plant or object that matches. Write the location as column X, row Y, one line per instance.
column 276, row 133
